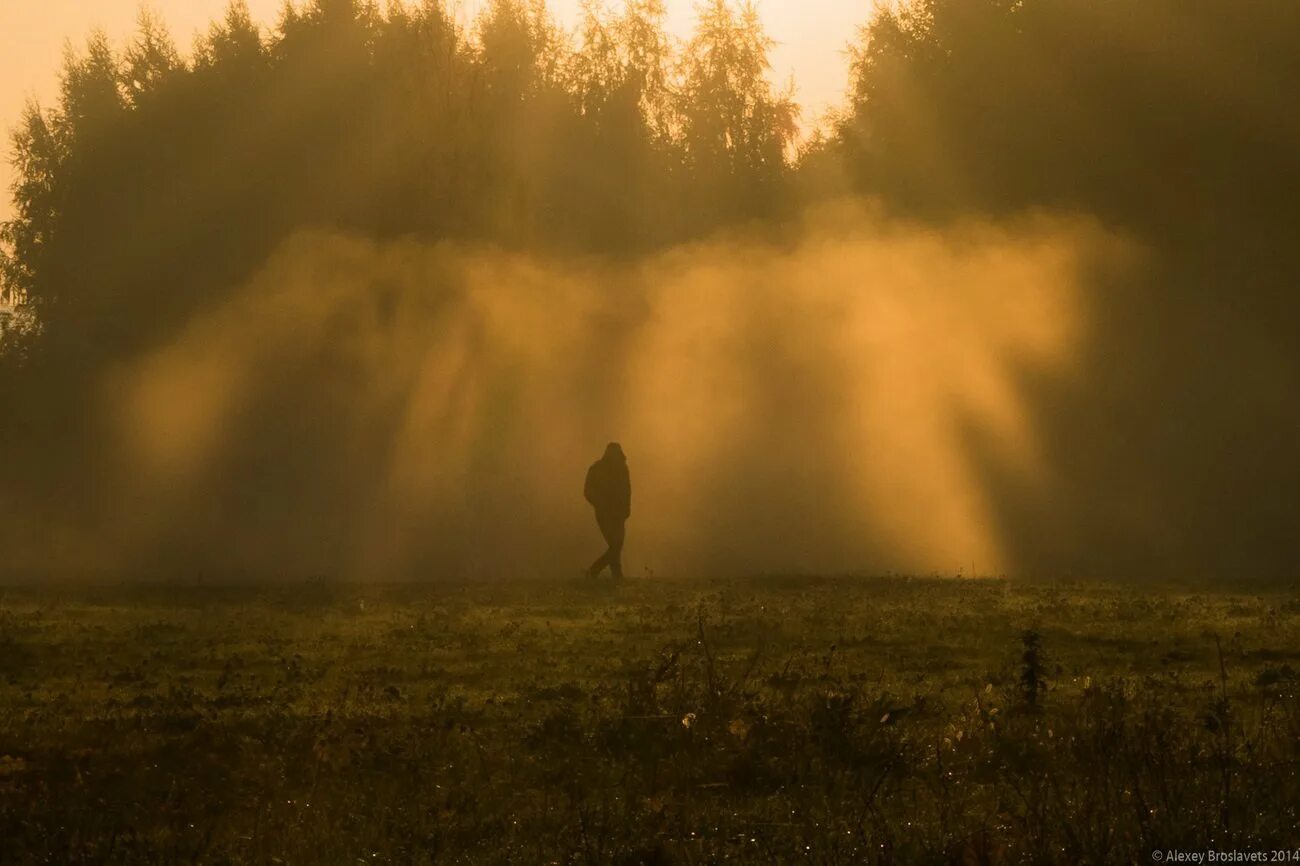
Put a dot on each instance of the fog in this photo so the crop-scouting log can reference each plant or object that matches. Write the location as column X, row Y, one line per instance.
column 362, row 295
column 812, row 403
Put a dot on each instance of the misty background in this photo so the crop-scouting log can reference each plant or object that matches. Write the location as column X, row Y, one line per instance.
column 363, row 295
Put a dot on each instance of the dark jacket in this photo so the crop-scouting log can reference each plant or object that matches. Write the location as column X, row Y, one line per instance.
column 609, row 488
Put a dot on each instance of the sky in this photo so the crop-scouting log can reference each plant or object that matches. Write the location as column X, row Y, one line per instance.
column 811, row 34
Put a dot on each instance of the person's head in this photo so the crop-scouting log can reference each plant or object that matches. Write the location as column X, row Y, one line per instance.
column 614, row 451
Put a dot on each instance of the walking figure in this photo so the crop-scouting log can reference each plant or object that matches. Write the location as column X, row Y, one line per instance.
column 609, row 490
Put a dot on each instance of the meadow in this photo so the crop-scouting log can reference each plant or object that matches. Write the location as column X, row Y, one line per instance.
column 772, row 720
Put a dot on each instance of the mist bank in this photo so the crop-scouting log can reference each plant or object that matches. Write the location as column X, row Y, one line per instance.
column 832, row 400
column 1031, row 397
column 194, row 383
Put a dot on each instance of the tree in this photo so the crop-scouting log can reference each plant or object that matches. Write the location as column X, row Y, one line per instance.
column 151, row 61
column 39, row 154
column 736, row 130
column 232, row 45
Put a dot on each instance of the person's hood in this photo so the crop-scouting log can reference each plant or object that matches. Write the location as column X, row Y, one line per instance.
column 614, row 451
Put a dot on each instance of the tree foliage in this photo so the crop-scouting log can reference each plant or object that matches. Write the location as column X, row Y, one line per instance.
column 1166, row 116
column 159, row 179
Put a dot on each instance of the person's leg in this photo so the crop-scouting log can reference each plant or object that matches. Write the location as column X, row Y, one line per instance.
column 612, row 529
column 606, row 558
column 615, row 534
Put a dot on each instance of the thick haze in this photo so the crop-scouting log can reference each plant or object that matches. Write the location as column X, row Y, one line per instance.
column 815, row 406
column 364, row 294
column 811, row 40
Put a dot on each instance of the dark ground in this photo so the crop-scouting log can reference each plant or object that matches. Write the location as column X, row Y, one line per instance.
column 756, row 721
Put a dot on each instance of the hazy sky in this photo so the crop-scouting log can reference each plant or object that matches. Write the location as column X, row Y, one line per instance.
column 812, row 35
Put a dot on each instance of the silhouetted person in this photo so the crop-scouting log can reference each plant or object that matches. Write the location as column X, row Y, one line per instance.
column 609, row 490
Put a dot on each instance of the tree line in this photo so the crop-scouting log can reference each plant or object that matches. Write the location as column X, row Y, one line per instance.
column 159, row 179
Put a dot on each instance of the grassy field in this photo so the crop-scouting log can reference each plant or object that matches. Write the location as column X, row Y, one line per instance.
column 757, row 721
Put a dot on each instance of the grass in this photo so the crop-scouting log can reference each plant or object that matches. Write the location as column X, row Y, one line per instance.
column 772, row 720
